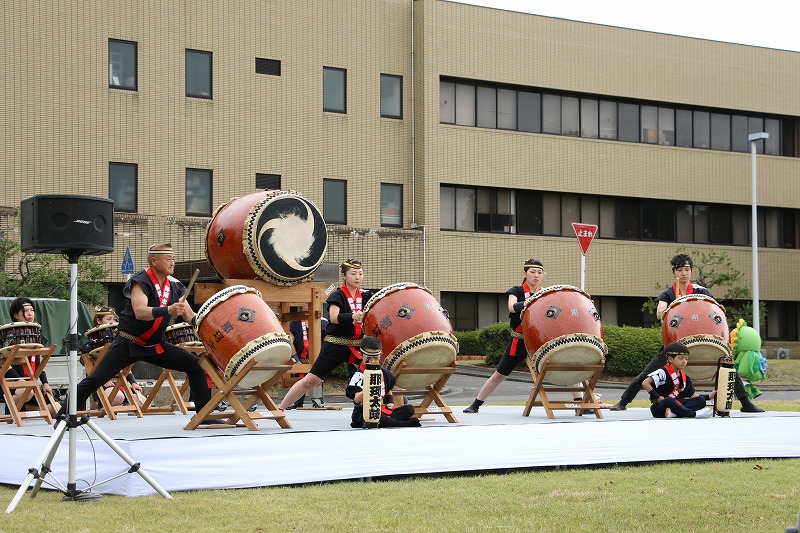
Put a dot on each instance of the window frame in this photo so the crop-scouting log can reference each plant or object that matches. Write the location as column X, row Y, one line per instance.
column 399, row 78
column 135, row 86
column 326, row 208
column 117, row 204
column 210, row 174
column 326, row 101
column 201, row 95
column 398, row 190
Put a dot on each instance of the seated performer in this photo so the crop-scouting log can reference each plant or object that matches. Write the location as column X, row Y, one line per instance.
column 106, row 315
column 151, row 297
column 682, row 270
column 391, row 416
column 343, row 334
column 22, row 310
column 671, row 391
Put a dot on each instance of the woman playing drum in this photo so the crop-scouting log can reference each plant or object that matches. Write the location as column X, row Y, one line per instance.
column 515, row 353
column 343, row 333
column 682, row 270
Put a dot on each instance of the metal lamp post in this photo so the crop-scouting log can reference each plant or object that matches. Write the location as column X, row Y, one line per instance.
column 754, row 138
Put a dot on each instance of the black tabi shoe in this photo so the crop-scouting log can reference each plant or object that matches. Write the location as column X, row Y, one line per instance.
column 471, row 409
column 619, row 406
column 750, row 407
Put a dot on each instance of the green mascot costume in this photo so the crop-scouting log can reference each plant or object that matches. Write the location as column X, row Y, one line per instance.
column 750, row 364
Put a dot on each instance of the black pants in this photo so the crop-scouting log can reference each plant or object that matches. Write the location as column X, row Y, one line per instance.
column 119, row 356
column 658, row 362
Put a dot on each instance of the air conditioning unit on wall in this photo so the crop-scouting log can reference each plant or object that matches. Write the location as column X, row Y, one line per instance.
column 782, row 353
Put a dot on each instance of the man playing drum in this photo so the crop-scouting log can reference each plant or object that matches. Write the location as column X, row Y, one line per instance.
column 682, row 270
column 151, row 297
column 343, row 333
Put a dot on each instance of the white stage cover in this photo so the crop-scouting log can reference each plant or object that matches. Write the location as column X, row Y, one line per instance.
column 322, row 447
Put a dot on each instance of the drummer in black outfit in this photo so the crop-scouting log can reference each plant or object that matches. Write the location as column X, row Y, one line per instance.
column 151, row 297
column 343, row 333
column 682, row 270
column 515, row 353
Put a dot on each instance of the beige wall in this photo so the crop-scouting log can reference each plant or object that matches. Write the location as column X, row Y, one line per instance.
column 62, row 125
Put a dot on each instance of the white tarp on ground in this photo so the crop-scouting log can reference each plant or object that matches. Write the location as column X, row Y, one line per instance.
column 321, row 447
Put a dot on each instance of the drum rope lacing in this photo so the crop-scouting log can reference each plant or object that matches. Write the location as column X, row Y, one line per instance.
column 417, row 343
column 246, row 356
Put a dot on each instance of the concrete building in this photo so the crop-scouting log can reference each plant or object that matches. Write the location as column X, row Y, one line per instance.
column 444, row 143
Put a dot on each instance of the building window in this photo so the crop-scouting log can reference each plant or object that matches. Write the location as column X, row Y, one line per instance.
column 391, row 204
column 122, row 185
column 198, row 192
column 334, row 90
column 628, row 122
column 334, row 201
column 268, row 181
column 487, row 107
column 457, row 208
column 391, row 96
column 122, row 65
column 270, row 67
column 198, row 74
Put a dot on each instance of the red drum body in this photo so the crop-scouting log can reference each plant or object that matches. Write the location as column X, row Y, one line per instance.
column 413, row 329
column 236, row 325
column 28, row 334
column 699, row 322
column 182, row 333
column 278, row 236
column 561, row 325
column 101, row 335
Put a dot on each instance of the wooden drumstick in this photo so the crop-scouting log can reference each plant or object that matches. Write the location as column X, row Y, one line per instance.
column 191, row 284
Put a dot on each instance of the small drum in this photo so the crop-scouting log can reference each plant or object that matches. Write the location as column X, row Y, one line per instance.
column 699, row 322
column 278, row 236
column 28, row 334
column 561, row 325
column 182, row 333
column 236, row 325
column 100, row 336
column 413, row 329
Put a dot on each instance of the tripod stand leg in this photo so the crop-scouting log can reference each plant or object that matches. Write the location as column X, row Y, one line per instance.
column 128, row 459
column 42, row 464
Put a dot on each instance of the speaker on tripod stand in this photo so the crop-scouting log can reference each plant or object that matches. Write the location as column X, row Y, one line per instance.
column 71, row 225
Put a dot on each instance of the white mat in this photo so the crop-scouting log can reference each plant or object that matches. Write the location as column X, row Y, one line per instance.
column 321, row 447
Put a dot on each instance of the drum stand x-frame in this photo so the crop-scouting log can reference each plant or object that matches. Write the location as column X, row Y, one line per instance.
column 431, row 392
column 588, row 401
column 227, row 390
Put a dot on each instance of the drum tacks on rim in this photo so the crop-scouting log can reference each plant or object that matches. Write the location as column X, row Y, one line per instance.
column 26, row 334
column 413, row 329
column 561, row 325
column 278, row 236
column 236, row 325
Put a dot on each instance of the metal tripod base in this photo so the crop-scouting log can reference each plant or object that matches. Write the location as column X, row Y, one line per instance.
column 42, row 468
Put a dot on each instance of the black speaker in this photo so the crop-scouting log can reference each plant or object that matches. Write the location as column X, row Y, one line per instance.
column 54, row 223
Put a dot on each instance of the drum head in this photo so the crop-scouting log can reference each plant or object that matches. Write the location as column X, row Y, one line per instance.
column 704, row 354
column 433, row 349
column 285, row 238
column 18, row 325
column 269, row 350
column 573, row 349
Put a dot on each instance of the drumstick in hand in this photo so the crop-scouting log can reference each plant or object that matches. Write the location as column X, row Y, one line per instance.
column 191, row 284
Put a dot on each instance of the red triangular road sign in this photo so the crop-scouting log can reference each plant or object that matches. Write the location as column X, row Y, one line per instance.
column 585, row 234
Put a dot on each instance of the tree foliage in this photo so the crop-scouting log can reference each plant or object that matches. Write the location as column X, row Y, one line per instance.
column 48, row 276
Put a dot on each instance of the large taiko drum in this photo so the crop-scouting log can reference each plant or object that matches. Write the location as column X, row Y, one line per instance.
column 699, row 322
column 28, row 334
column 561, row 326
column 278, row 236
column 236, row 325
column 413, row 329
column 183, row 334
column 100, row 336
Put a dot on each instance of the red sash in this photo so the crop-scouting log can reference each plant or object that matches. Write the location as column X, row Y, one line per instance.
column 304, row 325
column 689, row 289
column 515, row 340
column 32, row 359
column 163, row 301
column 678, row 381
column 356, row 306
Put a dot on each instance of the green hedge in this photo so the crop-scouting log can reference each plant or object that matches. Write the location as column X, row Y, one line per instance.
column 630, row 349
column 495, row 338
column 469, row 342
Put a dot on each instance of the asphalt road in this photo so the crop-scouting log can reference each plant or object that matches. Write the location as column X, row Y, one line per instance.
column 463, row 386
